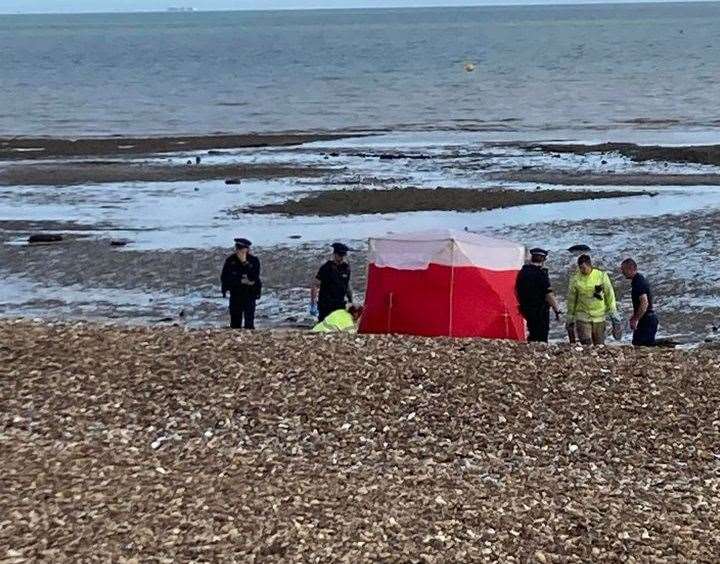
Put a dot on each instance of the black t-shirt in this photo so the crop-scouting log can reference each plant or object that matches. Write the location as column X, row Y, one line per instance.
column 532, row 286
column 640, row 286
column 334, row 283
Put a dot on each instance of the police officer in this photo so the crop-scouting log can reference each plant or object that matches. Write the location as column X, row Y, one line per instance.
column 536, row 297
column 643, row 322
column 331, row 286
column 241, row 277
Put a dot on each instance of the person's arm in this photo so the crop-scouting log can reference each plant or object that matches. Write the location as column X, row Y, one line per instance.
column 609, row 292
column 224, row 282
column 641, row 311
column 572, row 301
column 253, row 274
column 315, row 285
column 349, row 292
column 552, row 302
column 314, row 290
column 550, row 295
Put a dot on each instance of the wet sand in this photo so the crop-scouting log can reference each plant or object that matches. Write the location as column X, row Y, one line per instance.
column 43, row 147
column 396, row 200
column 671, row 250
column 700, row 154
column 78, row 173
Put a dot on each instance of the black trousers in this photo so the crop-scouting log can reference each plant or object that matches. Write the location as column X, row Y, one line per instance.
column 242, row 312
column 538, row 323
column 644, row 335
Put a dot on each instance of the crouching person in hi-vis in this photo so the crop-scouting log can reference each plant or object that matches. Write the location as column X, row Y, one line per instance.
column 340, row 321
column 591, row 299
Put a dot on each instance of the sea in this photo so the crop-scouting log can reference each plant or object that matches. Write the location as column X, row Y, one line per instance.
column 505, row 69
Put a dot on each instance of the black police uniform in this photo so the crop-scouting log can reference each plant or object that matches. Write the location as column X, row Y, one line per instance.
column 242, row 296
column 532, row 287
column 644, row 335
column 334, row 287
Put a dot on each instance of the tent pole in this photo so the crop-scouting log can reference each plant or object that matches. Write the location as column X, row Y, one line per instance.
column 389, row 315
column 452, row 286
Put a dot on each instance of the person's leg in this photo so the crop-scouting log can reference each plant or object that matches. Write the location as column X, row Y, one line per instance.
column 583, row 330
column 598, row 333
column 249, row 313
column 644, row 335
column 533, row 326
column 538, row 323
column 545, row 335
column 236, row 317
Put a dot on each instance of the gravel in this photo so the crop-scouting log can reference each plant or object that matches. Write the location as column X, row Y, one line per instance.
column 170, row 444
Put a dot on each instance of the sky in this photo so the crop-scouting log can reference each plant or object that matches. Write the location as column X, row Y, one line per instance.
column 64, row 6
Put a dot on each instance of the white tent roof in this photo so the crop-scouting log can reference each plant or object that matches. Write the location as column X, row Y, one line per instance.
column 447, row 247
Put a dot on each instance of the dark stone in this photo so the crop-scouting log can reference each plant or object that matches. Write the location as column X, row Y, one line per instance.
column 214, row 152
column 295, row 237
column 45, row 238
column 118, row 243
column 603, row 161
column 334, row 154
column 230, row 181
column 579, row 249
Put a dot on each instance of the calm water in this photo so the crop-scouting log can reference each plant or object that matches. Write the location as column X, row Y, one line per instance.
column 537, row 68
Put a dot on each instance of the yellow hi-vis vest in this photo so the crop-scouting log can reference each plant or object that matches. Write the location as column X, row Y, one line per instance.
column 338, row 320
column 583, row 301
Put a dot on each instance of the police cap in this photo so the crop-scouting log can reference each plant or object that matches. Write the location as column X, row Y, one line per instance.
column 340, row 249
column 241, row 243
column 538, row 252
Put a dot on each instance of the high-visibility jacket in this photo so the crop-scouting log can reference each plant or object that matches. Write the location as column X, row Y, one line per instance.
column 338, row 320
column 590, row 297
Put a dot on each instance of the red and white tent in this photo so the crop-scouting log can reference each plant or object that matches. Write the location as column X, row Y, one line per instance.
column 443, row 283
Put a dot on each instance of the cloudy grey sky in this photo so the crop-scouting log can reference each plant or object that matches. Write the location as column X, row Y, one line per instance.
column 33, row 6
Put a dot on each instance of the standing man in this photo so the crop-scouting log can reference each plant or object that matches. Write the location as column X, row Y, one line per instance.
column 536, row 297
column 591, row 298
column 643, row 322
column 241, row 277
column 331, row 286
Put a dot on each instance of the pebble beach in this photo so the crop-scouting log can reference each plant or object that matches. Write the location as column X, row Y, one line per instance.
column 174, row 444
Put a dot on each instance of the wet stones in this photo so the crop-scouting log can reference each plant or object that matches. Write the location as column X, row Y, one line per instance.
column 579, row 249
column 36, row 238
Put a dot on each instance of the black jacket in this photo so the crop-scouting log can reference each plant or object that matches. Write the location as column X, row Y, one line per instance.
column 334, row 284
column 532, row 287
column 233, row 274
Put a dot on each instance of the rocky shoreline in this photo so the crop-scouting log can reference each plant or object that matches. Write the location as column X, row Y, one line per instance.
column 398, row 200
column 33, row 148
column 178, row 445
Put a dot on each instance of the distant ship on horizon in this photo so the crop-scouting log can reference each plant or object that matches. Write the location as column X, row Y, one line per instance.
column 180, row 9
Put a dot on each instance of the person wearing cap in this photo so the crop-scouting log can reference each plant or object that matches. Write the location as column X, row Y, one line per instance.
column 241, row 277
column 536, row 297
column 591, row 299
column 643, row 322
column 331, row 287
